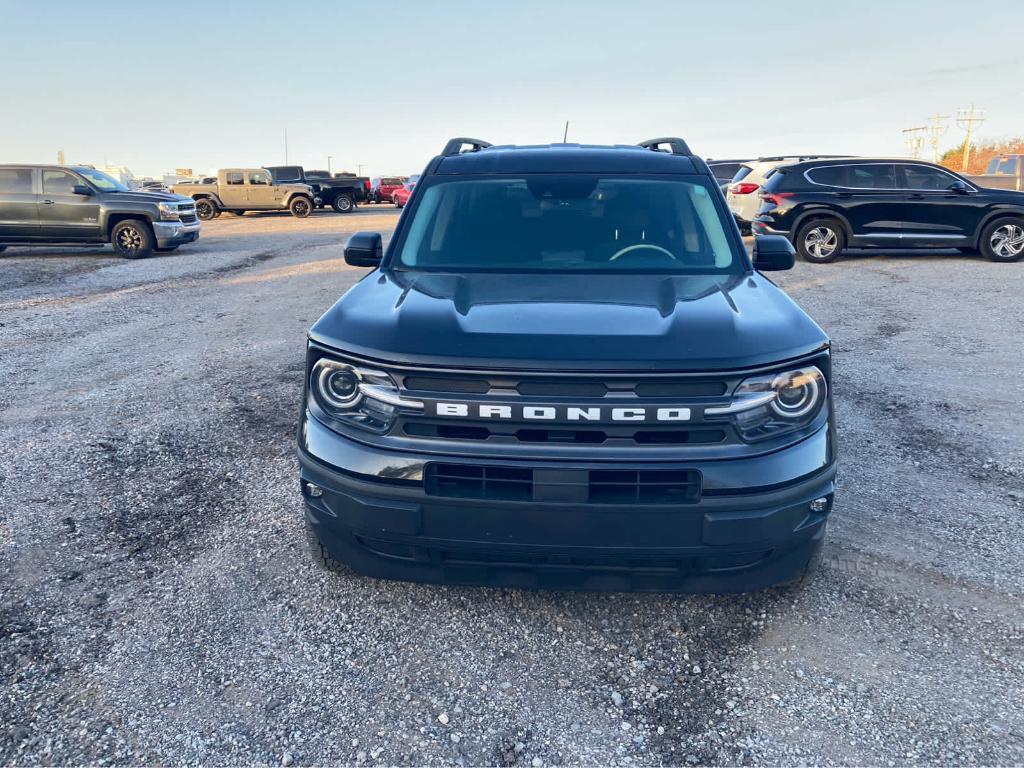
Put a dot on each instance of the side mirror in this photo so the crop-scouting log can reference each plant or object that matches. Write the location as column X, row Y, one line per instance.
column 81, row 189
column 959, row 187
column 364, row 249
column 773, row 253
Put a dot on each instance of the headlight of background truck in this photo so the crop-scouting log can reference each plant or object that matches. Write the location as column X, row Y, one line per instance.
column 355, row 396
column 773, row 404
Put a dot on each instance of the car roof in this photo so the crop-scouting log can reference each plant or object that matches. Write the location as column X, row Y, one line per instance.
column 858, row 161
column 566, row 158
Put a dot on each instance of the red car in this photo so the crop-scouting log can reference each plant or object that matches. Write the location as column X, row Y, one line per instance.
column 401, row 195
column 383, row 187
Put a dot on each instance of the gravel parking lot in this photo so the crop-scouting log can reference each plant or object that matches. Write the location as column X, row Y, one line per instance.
column 158, row 604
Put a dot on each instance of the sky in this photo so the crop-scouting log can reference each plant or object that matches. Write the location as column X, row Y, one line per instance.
column 380, row 86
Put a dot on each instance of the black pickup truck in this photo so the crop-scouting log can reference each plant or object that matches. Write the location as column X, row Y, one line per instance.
column 566, row 371
column 340, row 192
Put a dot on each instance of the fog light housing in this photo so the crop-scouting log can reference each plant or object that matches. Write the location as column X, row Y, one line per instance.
column 820, row 505
column 314, row 491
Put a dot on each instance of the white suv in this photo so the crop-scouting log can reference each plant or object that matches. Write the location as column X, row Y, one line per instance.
column 742, row 193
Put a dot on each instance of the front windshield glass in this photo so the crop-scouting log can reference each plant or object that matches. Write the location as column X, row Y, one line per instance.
column 567, row 223
column 101, row 181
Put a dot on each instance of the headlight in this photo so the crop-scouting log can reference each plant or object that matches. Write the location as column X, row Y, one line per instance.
column 776, row 403
column 356, row 396
column 169, row 211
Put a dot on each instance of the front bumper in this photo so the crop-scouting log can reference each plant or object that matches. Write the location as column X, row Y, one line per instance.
column 171, row 233
column 752, row 527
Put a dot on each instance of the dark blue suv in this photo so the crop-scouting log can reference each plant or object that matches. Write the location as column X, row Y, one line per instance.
column 826, row 206
column 565, row 371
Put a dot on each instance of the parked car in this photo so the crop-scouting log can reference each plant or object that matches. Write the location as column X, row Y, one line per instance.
column 382, row 188
column 77, row 205
column 1003, row 172
column 725, row 170
column 741, row 192
column 826, row 206
column 340, row 193
column 401, row 195
column 566, row 371
column 238, row 190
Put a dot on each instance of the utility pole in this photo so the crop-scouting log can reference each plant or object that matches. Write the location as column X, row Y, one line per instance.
column 359, row 169
column 60, row 157
column 914, row 138
column 565, row 135
column 329, row 164
column 966, row 118
column 936, row 127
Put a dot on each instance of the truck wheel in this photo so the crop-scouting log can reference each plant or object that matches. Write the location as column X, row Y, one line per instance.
column 319, row 553
column 1003, row 240
column 300, row 207
column 343, row 204
column 820, row 241
column 206, row 209
column 132, row 239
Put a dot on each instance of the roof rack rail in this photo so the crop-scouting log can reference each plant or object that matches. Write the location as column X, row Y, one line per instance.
column 772, row 158
column 454, row 146
column 676, row 146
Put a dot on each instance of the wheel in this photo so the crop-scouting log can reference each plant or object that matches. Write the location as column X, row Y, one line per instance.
column 206, row 209
column 1003, row 240
column 820, row 241
column 319, row 553
column 237, row 213
column 343, row 204
column 396, row 202
column 300, row 207
column 132, row 239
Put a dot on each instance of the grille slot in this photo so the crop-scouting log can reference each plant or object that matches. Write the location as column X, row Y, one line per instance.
column 617, row 486
column 445, row 384
column 465, row 481
column 645, row 486
column 562, row 388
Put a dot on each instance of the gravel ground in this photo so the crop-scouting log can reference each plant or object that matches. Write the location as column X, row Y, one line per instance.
column 158, row 604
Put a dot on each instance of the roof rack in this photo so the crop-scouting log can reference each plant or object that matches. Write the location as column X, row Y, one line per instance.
column 676, row 146
column 454, row 146
column 773, row 158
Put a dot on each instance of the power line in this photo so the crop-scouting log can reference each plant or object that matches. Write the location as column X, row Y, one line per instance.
column 966, row 118
column 914, row 137
column 936, row 127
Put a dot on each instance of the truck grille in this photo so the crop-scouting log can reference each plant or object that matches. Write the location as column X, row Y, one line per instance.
column 187, row 218
column 616, row 487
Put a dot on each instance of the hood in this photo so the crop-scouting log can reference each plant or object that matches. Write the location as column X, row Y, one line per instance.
column 146, row 197
column 622, row 322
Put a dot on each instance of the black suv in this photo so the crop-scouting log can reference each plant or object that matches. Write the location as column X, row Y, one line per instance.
column 825, row 206
column 566, row 371
column 78, row 205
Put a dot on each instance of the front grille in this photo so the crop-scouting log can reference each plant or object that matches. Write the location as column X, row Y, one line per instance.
column 618, row 486
column 187, row 218
column 521, row 434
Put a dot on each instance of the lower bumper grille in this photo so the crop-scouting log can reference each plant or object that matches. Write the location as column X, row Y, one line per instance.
column 642, row 486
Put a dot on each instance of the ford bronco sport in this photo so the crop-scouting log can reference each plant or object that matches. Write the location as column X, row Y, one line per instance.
column 565, row 371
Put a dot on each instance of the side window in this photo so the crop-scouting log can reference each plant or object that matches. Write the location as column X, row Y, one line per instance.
column 260, row 178
column 742, row 173
column 16, row 181
column 1006, row 165
column 58, row 183
column 925, row 178
column 235, row 177
column 829, row 175
column 874, row 176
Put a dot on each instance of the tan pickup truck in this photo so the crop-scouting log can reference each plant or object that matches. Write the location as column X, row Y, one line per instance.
column 247, row 189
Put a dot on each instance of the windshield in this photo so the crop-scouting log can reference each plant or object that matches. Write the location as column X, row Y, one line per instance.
column 570, row 223
column 101, row 181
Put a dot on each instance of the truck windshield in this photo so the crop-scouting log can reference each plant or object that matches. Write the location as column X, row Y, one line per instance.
column 567, row 223
column 101, row 181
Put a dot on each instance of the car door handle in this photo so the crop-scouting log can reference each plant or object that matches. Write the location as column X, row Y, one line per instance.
column 47, row 202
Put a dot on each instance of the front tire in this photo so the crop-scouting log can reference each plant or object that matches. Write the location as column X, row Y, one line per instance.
column 132, row 239
column 300, row 207
column 206, row 209
column 1003, row 240
column 343, row 204
column 321, row 557
column 821, row 241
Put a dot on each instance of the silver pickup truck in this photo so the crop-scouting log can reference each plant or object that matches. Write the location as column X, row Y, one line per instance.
column 238, row 190
column 1003, row 172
